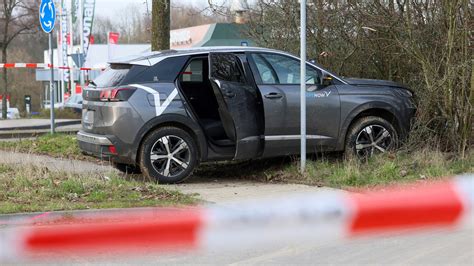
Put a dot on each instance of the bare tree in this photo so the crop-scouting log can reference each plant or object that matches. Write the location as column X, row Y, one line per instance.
column 424, row 44
column 16, row 17
column 183, row 16
column 160, row 25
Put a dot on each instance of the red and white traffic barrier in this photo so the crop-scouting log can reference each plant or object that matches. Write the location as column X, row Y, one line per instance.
column 293, row 219
column 46, row 66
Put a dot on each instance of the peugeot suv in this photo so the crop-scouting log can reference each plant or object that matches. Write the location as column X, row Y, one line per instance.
column 163, row 113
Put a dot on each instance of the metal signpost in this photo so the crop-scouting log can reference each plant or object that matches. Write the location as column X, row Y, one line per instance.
column 303, row 83
column 47, row 18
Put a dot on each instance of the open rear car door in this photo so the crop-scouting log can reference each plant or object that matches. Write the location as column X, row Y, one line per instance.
column 237, row 101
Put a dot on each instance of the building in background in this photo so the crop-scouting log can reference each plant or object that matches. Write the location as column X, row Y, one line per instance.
column 217, row 34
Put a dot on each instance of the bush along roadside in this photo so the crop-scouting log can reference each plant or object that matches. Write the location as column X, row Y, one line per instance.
column 33, row 189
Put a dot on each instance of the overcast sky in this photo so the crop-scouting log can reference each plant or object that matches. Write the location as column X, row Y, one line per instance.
column 110, row 8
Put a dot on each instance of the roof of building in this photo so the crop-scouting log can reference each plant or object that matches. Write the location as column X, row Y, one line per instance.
column 98, row 54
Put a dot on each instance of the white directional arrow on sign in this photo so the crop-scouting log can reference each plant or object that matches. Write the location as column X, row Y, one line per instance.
column 50, row 5
column 42, row 11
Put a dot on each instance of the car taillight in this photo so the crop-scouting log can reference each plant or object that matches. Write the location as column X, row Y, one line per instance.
column 116, row 95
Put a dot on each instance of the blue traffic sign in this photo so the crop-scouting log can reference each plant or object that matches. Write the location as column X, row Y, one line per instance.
column 47, row 15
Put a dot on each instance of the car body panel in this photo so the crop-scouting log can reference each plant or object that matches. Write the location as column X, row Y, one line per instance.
column 356, row 100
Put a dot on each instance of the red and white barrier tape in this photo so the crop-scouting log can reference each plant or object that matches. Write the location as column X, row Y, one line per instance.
column 47, row 66
column 293, row 219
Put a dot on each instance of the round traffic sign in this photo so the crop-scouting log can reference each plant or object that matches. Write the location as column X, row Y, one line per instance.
column 47, row 15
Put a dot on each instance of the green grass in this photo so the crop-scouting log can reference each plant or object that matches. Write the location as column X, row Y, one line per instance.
column 33, row 189
column 56, row 145
column 334, row 171
column 387, row 169
column 324, row 170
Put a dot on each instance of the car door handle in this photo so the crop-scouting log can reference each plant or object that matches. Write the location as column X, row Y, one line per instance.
column 273, row 95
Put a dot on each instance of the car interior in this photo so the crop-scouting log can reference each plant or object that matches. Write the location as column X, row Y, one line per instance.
column 197, row 88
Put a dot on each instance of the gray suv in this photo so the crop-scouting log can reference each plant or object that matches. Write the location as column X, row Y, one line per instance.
column 164, row 112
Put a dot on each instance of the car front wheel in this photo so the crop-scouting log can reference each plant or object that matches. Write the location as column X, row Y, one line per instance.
column 168, row 155
column 371, row 135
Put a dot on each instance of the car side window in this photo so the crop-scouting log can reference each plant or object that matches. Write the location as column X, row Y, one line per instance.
column 194, row 71
column 226, row 67
column 280, row 69
column 265, row 70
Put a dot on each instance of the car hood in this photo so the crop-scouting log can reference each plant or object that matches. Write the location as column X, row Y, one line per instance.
column 374, row 82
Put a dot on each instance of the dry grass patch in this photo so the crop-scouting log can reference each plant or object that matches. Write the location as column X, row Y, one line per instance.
column 32, row 189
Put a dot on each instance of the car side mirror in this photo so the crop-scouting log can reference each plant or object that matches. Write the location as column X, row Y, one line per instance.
column 326, row 80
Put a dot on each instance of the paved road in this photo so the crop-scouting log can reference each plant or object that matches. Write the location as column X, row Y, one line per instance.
column 24, row 128
column 29, row 123
column 434, row 248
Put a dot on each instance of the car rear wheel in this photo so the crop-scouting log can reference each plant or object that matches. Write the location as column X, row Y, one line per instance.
column 370, row 135
column 168, row 155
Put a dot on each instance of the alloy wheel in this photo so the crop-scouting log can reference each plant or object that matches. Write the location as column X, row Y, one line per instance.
column 170, row 156
column 373, row 139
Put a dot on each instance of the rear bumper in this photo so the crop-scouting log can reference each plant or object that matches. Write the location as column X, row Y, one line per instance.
column 99, row 146
column 94, row 139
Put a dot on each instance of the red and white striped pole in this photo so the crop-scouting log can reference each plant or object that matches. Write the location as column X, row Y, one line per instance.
column 44, row 66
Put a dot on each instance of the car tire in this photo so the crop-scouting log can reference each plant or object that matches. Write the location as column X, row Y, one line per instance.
column 168, row 155
column 370, row 135
column 127, row 168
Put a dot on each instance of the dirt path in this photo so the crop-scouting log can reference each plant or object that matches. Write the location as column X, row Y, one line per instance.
column 53, row 164
column 211, row 189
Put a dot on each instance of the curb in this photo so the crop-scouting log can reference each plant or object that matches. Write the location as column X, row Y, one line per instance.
column 33, row 133
column 39, row 127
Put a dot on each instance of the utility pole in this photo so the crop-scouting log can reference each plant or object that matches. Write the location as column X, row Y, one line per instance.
column 160, row 25
column 303, row 83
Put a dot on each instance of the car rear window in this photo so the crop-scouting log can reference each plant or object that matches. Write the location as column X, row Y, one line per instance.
column 113, row 75
column 165, row 71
